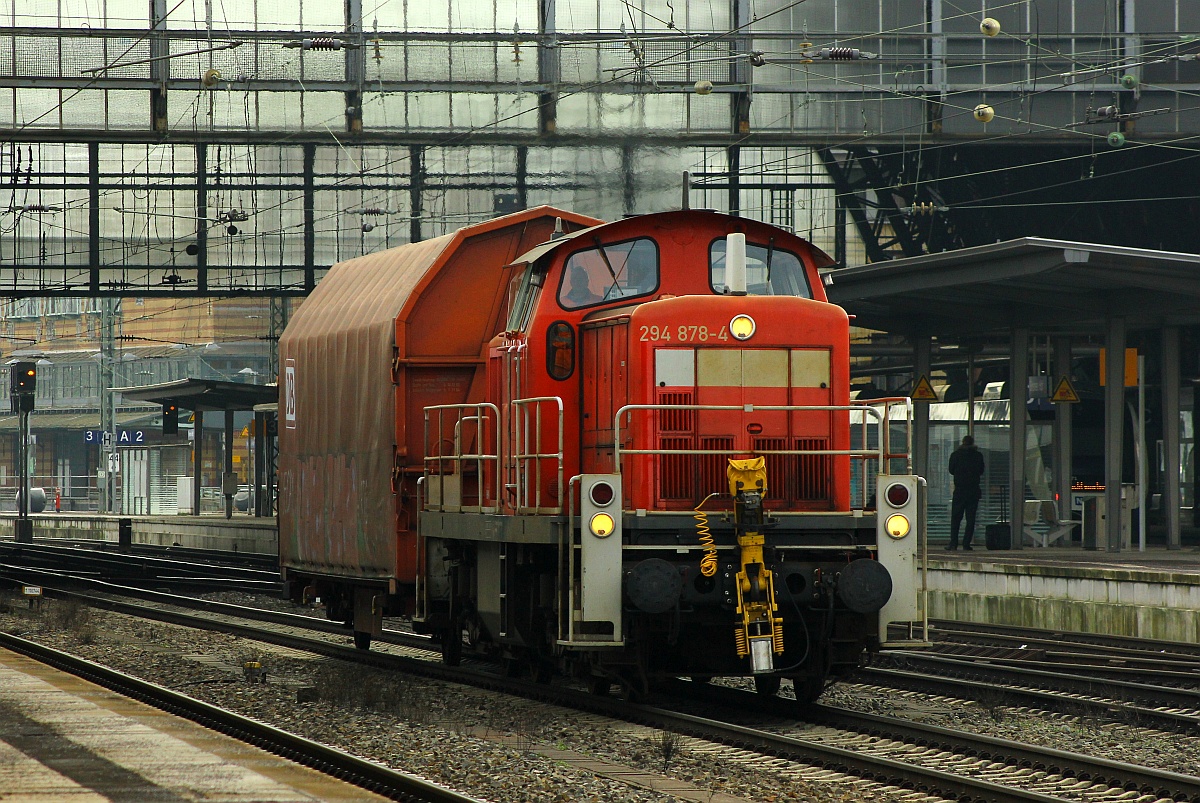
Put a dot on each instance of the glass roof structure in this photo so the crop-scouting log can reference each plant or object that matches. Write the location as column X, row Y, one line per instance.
column 243, row 146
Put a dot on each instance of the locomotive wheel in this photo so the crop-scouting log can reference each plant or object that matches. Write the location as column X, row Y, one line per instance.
column 767, row 685
column 362, row 640
column 599, row 686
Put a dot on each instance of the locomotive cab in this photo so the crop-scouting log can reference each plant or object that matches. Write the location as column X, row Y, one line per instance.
column 665, row 475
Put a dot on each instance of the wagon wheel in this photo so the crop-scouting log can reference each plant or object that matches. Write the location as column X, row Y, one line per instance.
column 767, row 685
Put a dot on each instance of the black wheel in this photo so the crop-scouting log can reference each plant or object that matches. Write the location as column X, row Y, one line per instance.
column 808, row 689
column 542, row 671
column 767, row 685
column 452, row 647
column 633, row 691
column 599, row 686
column 362, row 640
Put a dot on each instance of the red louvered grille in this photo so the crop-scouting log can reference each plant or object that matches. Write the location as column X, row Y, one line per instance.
column 781, row 468
column 676, row 477
column 713, row 478
column 814, row 480
column 676, row 420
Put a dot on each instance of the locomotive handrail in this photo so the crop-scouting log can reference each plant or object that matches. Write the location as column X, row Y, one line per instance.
column 458, row 457
column 566, row 551
column 528, row 495
column 886, row 403
column 876, row 408
column 749, row 408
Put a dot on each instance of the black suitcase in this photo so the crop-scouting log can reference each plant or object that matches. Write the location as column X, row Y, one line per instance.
column 998, row 535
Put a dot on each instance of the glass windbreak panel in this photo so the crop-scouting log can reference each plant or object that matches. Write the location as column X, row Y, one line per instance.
column 609, row 272
column 769, row 271
column 522, row 296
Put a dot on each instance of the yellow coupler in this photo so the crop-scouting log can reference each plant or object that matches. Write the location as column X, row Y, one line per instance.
column 755, row 583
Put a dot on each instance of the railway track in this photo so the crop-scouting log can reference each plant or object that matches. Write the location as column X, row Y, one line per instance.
column 250, row 560
column 206, row 570
column 1162, row 707
column 938, row 762
column 367, row 774
column 1094, row 655
column 1057, row 771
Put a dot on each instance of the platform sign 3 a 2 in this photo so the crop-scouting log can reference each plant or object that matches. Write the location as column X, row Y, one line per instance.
column 124, row 437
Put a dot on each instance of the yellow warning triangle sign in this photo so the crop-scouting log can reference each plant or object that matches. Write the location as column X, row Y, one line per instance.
column 924, row 391
column 1064, row 392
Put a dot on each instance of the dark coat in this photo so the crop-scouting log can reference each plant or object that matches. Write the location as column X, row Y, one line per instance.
column 966, row 466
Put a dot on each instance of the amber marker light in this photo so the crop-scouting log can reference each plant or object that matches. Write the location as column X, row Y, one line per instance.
column 601, row 525
column 741, row 327
column 897, row 526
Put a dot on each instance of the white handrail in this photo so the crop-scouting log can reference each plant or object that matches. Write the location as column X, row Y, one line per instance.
column 458, row 457
column 528, row 495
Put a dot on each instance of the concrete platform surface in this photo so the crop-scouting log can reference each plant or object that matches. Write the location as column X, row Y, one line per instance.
column 1153, row 594
column 65, row 739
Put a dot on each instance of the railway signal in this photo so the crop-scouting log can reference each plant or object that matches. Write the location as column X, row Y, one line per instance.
column 170, row 419
column 23, row 378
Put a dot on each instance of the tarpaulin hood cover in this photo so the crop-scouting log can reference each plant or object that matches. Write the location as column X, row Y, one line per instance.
column 376, row 331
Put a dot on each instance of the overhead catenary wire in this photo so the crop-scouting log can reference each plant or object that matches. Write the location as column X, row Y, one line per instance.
column 346, row 179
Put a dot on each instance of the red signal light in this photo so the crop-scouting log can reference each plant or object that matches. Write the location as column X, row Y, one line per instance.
column 897, row 494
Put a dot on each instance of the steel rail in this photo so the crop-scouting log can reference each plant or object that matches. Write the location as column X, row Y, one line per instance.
column 1077, row 664
column 980, row 687
column 881, row 770
column 1115, row 644
column 1131, row 777
column 1064, row 681
column 148, row 566
column 1145, row 779
column 17, row 574
column 262, row 561
column 329, row 760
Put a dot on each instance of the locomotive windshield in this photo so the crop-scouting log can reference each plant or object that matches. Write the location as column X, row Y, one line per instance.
column 769, row 271
column 608, row 272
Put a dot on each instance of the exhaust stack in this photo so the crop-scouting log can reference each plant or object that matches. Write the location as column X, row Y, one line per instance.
column 735, row 264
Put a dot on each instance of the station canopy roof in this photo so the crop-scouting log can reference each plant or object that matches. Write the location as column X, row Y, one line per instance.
column 203, row 394
column 1045, row 285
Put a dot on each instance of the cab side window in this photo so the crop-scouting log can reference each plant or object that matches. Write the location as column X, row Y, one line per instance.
column 607, row 272
column 769, row 271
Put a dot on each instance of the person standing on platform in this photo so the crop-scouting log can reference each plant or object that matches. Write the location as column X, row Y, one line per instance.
column 966, row 466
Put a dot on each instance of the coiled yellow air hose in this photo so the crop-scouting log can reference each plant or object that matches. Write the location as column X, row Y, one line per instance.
column 708, row 563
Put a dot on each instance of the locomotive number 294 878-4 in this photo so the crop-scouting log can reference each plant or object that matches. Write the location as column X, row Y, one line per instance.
column 683, row 333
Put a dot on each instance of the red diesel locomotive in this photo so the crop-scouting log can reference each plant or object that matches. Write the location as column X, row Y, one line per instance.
column 625, row 450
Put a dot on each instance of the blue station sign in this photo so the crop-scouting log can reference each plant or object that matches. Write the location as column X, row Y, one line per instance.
column 124, row 437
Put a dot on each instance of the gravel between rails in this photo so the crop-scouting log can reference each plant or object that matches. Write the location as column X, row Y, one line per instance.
column 483, row 743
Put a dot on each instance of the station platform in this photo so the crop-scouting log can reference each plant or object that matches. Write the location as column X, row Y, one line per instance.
column 65, row 739
column 241, row 533
column 1153, row 594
